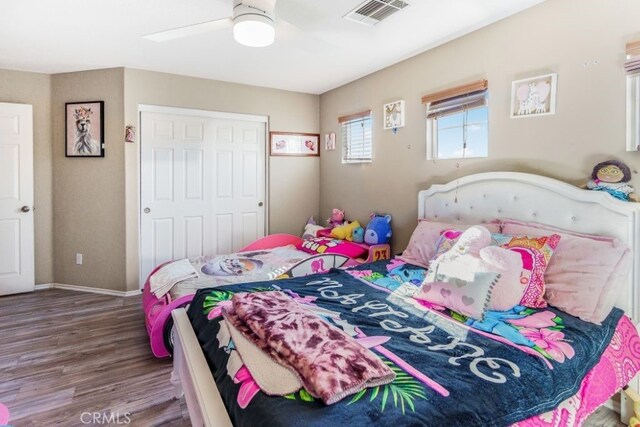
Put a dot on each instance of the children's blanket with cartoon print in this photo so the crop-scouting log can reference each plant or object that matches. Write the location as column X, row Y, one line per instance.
column 447, row 372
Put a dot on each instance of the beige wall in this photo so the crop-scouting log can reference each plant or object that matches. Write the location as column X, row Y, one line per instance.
column 35, row 89
column 557, row 36
column 88, row 193
column 294, row 182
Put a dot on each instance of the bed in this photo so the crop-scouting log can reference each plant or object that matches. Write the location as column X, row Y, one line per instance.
column 276, row 256
column 606, row 357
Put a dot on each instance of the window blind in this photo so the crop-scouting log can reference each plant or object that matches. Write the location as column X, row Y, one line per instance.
column 357, row 140
column 455, row 91
column 632, row 65
column 457, row 104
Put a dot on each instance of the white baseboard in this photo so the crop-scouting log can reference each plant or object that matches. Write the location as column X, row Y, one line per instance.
column 87, row 289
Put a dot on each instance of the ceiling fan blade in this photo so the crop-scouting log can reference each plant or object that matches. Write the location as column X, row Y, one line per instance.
column 266, row 5
column 189, row 30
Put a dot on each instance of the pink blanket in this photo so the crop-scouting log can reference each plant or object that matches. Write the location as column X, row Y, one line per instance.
column 617, row 366
column 330, row 363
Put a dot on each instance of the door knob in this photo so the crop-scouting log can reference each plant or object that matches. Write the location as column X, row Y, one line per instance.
column 25, row 209
column 147, row 210
column 260, row 204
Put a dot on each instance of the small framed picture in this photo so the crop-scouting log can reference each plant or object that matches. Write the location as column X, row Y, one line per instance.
column 130, row 134
column 535, row 96
column 394, row 115
column 294, row 144
column 330, row 141
column 84, row 129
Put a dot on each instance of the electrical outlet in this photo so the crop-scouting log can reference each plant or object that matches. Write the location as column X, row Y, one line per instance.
column 78, row 259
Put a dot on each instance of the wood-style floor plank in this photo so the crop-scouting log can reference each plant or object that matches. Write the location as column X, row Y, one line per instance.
column 65, row 353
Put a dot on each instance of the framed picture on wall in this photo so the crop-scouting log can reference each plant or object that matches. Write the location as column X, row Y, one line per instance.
column 535, row 96
column 294, row 144
column 84, row 129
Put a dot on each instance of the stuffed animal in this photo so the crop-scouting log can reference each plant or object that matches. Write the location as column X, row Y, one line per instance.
column 613, row 177
column 378, row 230
column 358, row 235
column 311, row 229
column 337, row 218
column 473, row 255
column 345, row 232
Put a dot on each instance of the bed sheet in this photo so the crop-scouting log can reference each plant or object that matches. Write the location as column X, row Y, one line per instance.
column 240, row 267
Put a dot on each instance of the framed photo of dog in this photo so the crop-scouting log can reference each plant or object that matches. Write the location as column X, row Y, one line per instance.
column 84, row 126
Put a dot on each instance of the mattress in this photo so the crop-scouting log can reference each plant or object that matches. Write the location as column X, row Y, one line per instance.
column 239, row 267
column 447, row 372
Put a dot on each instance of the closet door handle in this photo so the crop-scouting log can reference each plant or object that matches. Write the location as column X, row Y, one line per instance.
column 25, row 209
column 260, row 204
column 147, row 210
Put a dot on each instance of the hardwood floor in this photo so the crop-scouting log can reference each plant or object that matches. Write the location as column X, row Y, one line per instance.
column 65, row 353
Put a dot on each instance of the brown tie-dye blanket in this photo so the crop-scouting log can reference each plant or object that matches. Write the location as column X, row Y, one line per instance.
column 330, row 364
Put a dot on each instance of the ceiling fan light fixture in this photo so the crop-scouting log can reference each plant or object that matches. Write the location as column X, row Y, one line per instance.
column 254, row 30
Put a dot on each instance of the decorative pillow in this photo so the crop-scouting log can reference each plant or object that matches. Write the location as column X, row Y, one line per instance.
column 534, row 251
column 422, row 245
column 470, row 298
column 322, row 245
column 472, row 258
column 585, row 273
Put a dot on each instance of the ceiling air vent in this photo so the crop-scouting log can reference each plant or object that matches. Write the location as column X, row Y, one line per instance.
column 373, row 11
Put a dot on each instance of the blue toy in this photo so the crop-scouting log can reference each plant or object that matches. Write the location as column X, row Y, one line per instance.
column 358, row 235
column 378, row 230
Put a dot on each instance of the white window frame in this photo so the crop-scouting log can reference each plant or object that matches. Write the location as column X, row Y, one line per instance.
column 432, row 138
column 365, row 120
column 633, row 112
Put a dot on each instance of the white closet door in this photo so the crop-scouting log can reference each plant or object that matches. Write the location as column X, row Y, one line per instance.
column 239, row 184
column 202, row 186
column 17, row 268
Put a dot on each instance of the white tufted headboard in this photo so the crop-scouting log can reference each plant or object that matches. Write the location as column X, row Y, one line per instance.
column 534, row 198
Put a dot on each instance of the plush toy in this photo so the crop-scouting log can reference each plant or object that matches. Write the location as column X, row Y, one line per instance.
column 337, row 218
column 358, row 235
column 311, row 229
column 613, row 177
column 345, row 232
column 473, row 255
column 378, row 230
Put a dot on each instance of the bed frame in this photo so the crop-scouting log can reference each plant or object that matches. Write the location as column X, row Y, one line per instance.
column 474, row 198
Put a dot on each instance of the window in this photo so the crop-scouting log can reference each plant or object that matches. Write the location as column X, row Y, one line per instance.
column 632, row 67
column 458, row 122
column 357, row 144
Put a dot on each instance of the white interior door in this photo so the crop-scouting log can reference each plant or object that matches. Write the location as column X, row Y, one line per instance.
column 203, row 186
column 17, row 268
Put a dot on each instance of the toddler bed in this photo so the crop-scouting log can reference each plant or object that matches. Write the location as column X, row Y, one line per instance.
column 267, row 258
column 446, row 372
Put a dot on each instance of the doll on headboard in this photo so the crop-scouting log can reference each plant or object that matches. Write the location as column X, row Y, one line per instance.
column 613, row 177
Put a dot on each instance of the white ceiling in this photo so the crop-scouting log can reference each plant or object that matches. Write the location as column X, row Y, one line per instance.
column 315, row 49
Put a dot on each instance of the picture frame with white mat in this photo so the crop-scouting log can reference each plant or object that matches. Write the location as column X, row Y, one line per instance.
column 470, row 199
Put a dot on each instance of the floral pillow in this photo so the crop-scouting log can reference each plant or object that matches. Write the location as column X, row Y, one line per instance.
column 535, row 252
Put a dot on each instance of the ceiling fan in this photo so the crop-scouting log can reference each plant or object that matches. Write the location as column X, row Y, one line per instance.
column 253, row 24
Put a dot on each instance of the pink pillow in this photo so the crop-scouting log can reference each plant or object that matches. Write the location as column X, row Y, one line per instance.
column 323, row 245
column 583, row 277
column 535, row 253
column 422, row 245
